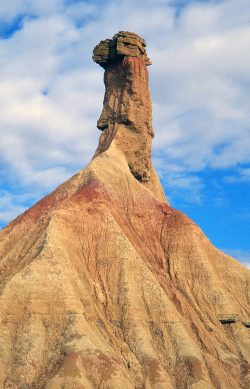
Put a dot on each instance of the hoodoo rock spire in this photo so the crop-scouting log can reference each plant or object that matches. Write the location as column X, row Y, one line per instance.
column 127, row 109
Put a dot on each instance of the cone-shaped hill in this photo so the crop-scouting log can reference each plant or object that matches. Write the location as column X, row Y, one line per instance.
column 104, row 285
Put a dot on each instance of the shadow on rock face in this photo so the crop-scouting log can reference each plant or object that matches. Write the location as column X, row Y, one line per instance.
column 127, row 109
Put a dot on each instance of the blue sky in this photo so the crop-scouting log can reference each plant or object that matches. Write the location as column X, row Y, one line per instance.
column 51, row 96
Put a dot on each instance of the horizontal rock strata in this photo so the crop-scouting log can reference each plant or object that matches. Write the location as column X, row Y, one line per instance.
column 123, row 44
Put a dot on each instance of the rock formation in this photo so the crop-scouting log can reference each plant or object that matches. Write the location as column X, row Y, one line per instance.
column 127, row 109
column 104, row 285
column 122, row 44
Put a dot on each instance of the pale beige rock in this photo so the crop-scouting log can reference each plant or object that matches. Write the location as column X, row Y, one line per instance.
column 104, row 285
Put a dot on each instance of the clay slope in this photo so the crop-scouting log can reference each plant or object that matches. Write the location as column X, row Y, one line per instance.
column 104, row 285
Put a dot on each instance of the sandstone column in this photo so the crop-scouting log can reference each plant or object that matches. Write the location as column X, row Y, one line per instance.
column 127, row 109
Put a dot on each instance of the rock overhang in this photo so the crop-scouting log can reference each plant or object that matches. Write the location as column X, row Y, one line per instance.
column 123, row 44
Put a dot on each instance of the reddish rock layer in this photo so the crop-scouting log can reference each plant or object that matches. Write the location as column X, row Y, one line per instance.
column 104, row 285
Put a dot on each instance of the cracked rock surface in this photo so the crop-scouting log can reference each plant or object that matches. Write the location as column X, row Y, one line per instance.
column 104, row 285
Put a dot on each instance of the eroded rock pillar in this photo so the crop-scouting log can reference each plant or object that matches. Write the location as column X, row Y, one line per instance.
column 127, row 109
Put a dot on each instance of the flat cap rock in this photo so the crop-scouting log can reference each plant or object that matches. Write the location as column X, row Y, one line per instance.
column 123, row 44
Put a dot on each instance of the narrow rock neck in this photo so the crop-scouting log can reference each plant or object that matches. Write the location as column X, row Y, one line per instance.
column 127, row 114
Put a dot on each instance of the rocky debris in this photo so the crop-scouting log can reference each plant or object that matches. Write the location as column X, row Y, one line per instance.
column 123, row 44
column 104, row 285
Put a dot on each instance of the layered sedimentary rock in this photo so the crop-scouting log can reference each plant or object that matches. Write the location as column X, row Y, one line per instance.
column 124, row 43
column 104, row 285
column 127, row 110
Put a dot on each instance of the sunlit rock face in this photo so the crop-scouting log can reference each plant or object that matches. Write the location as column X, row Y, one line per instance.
column 126, row 118
column 104, row 285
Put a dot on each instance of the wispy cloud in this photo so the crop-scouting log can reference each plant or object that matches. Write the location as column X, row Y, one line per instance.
column 240, row 175
column 11, row 204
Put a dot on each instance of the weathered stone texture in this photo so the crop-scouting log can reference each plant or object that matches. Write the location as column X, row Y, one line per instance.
column 126, row 117
column 104, row 285
column 123, row 44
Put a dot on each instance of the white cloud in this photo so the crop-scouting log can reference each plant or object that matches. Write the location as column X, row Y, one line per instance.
column 51, row 92
column 13, row 204
column 9, row 10
column 204, row 65
column 240, row 175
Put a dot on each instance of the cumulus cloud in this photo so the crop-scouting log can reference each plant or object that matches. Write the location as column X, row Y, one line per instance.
column 204, row 67
column 51, row 92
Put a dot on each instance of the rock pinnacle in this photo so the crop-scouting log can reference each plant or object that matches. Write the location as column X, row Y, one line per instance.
column 126, row 117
